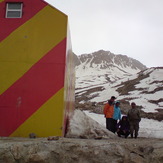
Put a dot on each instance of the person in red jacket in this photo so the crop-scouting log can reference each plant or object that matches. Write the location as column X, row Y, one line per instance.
column 108, row 112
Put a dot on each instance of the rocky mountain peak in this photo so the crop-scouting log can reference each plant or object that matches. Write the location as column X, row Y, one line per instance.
column 105, row 59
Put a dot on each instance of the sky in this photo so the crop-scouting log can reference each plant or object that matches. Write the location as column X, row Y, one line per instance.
column 128, row 27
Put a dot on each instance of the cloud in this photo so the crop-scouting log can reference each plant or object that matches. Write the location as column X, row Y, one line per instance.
column 129, row 27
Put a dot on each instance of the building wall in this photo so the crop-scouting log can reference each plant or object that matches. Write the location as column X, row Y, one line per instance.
column 69, row 88
column 33, row 56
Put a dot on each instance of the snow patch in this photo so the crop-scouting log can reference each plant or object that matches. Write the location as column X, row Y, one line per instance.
column 148, row 127
column 82, row 126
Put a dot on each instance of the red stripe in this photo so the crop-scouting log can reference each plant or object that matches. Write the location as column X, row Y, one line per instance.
column 31, row 91
column 8, row 25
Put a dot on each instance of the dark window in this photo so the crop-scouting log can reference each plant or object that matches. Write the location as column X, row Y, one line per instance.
column 14, row 10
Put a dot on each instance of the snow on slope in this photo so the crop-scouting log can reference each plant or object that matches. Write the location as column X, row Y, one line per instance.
column 150, row 90
column 148, row 128
column 94, row 70
column 146, row 90
column 85, row 124
column 92, row 77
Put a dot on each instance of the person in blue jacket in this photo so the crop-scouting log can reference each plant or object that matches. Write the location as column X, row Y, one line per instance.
column 116, row 114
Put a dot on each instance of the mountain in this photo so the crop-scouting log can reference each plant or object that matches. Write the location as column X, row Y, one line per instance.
column 102, row 74
column 106, row 59
column 105, row 66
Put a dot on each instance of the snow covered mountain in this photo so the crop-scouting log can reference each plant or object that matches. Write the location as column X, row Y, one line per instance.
column 102, row 74
column 104, row 67
column 144, row 88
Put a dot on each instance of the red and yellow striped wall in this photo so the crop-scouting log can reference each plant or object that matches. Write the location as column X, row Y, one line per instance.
column 36, row 71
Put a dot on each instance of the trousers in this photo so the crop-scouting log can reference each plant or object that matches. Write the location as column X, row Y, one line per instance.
column 134, row 127
column 111, row 124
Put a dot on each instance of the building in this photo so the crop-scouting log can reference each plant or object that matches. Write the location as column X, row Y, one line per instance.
column 36, row 69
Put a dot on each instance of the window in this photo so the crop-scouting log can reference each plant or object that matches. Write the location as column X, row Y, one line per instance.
column 14, row 10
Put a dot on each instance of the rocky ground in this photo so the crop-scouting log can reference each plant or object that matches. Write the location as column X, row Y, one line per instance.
column 75, row 150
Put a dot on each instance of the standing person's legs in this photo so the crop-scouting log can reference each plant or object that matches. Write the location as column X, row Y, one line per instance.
column 136, row 127
column 114, row 125
column 109, row 123
column 131, row 129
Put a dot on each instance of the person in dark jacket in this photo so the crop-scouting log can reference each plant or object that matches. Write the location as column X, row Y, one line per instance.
column 134, row 119
column 123, row 127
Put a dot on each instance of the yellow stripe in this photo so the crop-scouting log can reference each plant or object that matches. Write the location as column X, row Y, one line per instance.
column 29, row 43
column 47, row 121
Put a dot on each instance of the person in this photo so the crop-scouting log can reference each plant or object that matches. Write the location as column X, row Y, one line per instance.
column 116, row 115
column 123, row 127
column 108, row 113
column 134, row 119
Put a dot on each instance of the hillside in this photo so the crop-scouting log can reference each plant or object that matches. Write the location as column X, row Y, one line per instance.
column 96, row 82
column 104, row 67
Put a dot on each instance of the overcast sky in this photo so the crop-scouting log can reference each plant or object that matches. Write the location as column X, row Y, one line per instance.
column 128, row 27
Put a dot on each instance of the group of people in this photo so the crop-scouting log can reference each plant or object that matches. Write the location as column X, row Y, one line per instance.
column 127, row 125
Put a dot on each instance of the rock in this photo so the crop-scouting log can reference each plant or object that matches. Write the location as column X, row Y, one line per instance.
column 75, row 150
column 147, row 150
column 40, row 157
column 53, row 138
column 32, row 135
